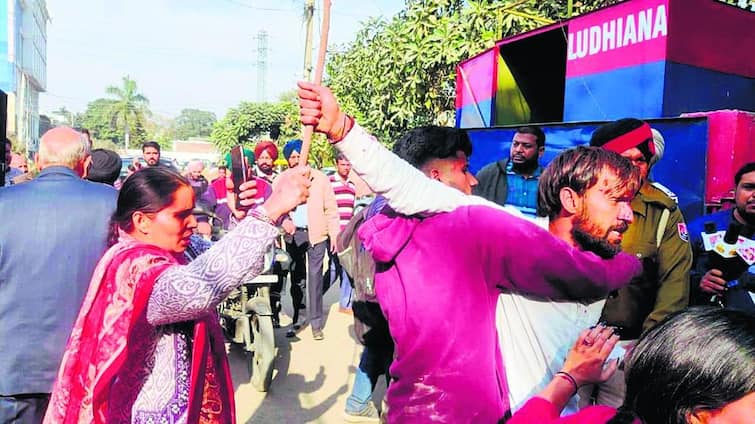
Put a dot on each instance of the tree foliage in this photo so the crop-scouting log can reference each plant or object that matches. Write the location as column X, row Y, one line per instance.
column 98, row 119
column 400, row 73
column 162, row 130
column 105, row 144
column 291, row 126
column 110, row 119
column 251, row 122
column 247, row 123
column 194, row 123
column 129, row 111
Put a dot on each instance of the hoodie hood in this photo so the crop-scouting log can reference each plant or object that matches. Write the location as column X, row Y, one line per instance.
column 385, row 234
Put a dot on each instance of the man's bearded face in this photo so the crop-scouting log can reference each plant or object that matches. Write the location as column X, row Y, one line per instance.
column 151, row 156
column 603, row 216
column 591, row 237
column 265, row 162
column 744, row 196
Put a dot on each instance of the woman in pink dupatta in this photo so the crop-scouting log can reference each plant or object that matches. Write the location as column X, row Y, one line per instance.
column 697, row 366
column 147, row 346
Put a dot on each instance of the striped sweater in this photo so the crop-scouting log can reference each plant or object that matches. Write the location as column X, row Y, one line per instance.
column 345, row 192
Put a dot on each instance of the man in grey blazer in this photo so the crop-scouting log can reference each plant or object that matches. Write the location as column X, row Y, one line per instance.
column 53, row 231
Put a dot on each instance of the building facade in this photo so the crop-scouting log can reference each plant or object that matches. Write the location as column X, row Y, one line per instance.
column 23, row 66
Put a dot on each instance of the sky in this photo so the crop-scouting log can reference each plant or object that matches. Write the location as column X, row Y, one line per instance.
column 185, row 53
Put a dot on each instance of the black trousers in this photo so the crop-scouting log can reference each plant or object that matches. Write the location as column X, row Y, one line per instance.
column 315, row 255
column 276, row 289
column 297, row 248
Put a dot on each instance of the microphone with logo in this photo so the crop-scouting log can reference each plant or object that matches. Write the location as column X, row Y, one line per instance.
column 726, row 259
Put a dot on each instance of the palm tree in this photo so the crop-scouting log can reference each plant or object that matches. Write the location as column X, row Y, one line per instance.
column 65, row 114
column 130, row 106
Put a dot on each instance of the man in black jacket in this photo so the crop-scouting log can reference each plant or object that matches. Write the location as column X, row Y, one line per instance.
column 513, row 181
column 728, row 286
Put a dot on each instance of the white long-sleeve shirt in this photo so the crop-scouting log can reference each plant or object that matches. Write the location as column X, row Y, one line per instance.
column 406, row 188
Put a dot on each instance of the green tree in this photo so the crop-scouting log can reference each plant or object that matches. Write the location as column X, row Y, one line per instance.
column 247, row 123
column 162, row 130
column 400, row 73
column 250, row 122
column 290, row 128
column 321, row 152
column 194, row 123
column 129, row 110
column 105, row 144
column 98, row 118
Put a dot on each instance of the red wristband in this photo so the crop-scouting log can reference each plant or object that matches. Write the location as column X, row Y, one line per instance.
column 348, row 124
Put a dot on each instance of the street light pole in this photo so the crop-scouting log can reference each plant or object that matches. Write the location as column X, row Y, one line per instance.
column 309, row 11
column 308, row 130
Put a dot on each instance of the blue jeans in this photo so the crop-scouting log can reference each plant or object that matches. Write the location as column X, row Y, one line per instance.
column 345, row 299
column 371, row 366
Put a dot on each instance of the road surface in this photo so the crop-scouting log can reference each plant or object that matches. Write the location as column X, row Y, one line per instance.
column 312, row 379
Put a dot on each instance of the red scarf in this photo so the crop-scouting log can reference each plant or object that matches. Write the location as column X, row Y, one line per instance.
column 109, row 331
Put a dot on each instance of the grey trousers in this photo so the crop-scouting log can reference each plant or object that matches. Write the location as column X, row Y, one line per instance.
column 23, row 409
column 315, row 256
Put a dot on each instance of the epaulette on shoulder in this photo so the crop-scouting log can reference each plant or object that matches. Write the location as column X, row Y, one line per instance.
column 661, row 194
column 666, row 191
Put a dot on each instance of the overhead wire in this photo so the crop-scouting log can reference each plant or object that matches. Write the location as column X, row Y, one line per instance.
column 87, row 101
column 87, row 48
column 268, row 9
column 113, row 53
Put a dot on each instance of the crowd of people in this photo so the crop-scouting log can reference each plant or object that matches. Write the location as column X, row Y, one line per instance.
column 628, row 274
column 572, row 292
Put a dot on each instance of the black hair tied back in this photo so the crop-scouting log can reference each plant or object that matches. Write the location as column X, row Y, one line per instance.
column 624, row 415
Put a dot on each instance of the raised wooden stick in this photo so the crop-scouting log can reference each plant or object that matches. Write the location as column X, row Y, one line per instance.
column 308, row 130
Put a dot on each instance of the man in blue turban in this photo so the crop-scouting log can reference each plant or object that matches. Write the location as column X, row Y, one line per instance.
column 291, row 152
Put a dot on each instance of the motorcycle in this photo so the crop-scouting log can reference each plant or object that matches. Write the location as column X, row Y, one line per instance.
column 246, row 317
column 246, row 314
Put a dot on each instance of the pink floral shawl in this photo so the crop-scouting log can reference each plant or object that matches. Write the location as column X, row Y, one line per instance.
column 109, row 330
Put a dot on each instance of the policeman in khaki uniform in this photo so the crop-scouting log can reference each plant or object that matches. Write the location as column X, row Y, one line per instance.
column 659, row 238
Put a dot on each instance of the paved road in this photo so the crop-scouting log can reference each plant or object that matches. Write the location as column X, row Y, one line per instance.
column 312, row 379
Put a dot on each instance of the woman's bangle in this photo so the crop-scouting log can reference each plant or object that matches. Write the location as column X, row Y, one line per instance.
column 569, row 377
column 261, row 214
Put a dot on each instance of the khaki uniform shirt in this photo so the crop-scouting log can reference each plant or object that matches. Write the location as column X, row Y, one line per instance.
column 322, row 210
column 664, row 285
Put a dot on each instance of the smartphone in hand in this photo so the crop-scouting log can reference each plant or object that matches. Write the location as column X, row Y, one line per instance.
column 241, row 172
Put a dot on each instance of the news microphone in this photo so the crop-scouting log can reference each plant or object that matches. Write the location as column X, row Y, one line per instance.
column 725, row 258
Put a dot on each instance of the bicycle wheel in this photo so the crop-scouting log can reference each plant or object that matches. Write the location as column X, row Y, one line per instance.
column 264, row 351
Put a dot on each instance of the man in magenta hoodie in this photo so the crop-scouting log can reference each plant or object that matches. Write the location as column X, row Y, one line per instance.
column 439, row 275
